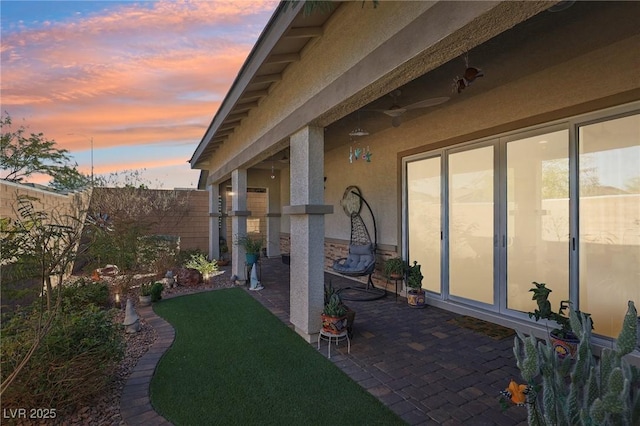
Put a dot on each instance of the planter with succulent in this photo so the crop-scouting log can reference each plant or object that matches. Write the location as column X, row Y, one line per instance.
column 350, row 314
column 252, row 247
column 145, row 295
column 416, row 296
column 334, row 315
column 395, row 268
column 563, row 339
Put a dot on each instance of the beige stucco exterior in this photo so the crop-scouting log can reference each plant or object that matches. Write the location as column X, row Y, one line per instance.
column 541, row 68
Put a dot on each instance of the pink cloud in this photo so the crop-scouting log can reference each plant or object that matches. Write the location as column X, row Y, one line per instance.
column 132, row 75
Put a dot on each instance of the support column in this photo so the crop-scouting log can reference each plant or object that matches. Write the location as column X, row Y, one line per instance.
column 239, row 216
column 307, row 231
column 214, row 219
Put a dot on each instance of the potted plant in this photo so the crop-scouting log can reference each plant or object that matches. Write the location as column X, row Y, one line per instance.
column 563, row 339
column 334, row 315
column 252, row 247
column 350, row 314
column 145, row 294
column 394, row 268
column 416, row 297
column 200, row 263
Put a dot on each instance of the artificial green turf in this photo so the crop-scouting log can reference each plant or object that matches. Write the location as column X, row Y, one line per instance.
column 234, row 363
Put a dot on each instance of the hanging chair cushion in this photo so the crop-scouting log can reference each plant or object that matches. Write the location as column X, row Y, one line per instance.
column 359, row 261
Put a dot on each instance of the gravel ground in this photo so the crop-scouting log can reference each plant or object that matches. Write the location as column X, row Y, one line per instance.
column 105, row 409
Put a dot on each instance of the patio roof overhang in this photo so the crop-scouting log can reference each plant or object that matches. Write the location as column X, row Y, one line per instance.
column 400, row 58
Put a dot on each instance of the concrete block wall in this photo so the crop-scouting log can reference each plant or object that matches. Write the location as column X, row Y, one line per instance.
column 48, row 200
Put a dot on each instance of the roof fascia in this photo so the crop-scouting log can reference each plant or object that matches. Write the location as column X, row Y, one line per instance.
column 278, row 24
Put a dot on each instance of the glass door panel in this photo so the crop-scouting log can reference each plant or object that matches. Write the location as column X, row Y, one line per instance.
column 609, row 186
column 537, row 241
column 423, row 216
column 471, row 224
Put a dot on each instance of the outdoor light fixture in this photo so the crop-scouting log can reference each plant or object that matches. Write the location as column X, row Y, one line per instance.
column 273, row 172
column 358, row 132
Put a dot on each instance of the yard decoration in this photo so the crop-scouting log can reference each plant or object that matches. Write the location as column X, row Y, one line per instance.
column 585, row 390
column 564, row 340
column 131, row 320
column 416, row 297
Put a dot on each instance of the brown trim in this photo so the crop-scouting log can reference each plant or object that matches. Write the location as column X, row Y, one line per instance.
column 239, row 213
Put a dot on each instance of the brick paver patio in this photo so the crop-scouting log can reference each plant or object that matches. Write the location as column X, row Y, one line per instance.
column 427, row 370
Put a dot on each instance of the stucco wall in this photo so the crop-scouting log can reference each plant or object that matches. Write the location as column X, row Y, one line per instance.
column 552, row 94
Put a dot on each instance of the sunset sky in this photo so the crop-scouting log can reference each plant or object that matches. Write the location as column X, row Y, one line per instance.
column 143, row 79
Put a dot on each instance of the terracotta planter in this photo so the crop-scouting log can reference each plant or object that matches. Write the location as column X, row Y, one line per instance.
column 333, row 325
column 396, row 276
column 416, row 298
column 565, row 346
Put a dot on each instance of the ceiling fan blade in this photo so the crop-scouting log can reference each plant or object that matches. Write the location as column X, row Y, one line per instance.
column 428, row 103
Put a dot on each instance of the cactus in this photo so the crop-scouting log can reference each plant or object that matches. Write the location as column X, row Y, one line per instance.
column 585, row 390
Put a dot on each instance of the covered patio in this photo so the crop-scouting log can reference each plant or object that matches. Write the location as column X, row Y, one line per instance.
column 419, row 362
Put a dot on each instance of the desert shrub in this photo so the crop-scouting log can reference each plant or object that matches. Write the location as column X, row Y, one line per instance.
column 156, row 291
column 74, row 361
column 185, row 256
column 157, row 253
column 85, row 292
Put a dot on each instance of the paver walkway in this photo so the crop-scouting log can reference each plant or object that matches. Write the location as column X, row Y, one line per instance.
column 426, row 369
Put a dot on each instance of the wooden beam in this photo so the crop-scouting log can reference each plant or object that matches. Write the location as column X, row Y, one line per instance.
column 255, row 94
column 267, row 78
column 282, row 58
column 245, row 106
column 237, row 116
column 304, row 32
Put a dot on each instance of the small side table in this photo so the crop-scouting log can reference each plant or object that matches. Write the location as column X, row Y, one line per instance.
column 337, row 337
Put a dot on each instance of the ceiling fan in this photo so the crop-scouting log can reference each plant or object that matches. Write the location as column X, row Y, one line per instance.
column 395, row 111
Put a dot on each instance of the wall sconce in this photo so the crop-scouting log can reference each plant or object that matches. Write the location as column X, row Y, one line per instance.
column 273, row 172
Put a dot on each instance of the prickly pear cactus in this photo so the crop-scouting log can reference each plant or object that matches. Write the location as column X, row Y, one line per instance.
column 586, row 390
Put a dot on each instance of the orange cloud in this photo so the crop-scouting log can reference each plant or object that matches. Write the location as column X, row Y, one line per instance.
column 136, row 74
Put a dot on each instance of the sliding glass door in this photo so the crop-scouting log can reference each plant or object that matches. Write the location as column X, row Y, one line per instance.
column 559, row 205
column 424, row 218
column 609, row 188
column 471, row 224
column 536, row 244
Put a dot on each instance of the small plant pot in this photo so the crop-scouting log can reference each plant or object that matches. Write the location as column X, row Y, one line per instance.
column 396, row 276
column 251, row 258
column 145, row 300
column 416, row 299
column 333, row 325
column 564, row 346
